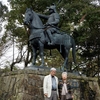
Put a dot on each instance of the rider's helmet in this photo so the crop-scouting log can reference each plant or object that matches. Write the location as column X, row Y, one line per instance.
column 53, row 7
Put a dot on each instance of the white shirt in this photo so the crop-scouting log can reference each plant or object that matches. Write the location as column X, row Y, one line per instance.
column 64, row 89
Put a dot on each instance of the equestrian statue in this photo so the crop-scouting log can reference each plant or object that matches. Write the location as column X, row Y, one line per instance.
column 48, row 36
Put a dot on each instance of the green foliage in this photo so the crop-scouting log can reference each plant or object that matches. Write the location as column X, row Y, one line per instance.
column 78, row 17
column 85, row 16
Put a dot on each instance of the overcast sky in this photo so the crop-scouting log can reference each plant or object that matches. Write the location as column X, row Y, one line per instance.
column 4, row 1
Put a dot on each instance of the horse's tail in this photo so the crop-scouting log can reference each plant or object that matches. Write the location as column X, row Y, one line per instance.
column 73, row 50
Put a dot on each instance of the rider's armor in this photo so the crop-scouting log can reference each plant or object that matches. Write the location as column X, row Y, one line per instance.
column 52, row 22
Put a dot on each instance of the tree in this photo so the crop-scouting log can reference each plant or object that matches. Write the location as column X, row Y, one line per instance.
column 77, row 19
column 3, row 45
column 81, row 19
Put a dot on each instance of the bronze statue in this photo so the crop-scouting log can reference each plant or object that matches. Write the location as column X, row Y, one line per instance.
column 39, row 38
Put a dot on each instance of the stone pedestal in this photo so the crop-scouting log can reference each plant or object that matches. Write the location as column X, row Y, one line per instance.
column 21, row 85
column 28, row 84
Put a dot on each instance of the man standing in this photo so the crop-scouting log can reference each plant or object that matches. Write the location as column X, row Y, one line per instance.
column 50, row 86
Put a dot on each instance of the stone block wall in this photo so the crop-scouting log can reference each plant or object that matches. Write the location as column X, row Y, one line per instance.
column 21, row 85
column 28, row 85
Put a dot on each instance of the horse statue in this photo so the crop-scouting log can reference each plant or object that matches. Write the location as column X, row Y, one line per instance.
column 38, row 39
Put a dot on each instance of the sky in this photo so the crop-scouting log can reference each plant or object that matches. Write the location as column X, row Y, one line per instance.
column 5, row 3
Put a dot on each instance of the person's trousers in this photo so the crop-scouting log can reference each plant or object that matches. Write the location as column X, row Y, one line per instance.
column 53, row 96
column 63, row 97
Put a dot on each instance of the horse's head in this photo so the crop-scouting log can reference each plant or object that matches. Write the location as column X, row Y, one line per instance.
column 28, row 16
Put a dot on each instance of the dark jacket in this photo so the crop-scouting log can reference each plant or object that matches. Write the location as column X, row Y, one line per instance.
column 60, row 85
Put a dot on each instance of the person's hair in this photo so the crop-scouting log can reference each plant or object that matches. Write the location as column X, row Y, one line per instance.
column 64, row 73
column 53, row 69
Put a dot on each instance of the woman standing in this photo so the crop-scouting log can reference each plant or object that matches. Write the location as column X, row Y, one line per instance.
column 65, row 88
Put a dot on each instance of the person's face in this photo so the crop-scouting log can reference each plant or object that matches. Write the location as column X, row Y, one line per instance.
column 51, row 11
column 53, row 73
column 64, row 76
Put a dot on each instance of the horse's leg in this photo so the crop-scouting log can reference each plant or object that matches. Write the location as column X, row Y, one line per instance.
column 65, row 65
column 41, row 47
column 34, row 55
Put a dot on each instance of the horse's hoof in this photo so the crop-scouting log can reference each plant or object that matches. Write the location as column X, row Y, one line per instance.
column 50, row 43
column 33, row 64
column 41, row 65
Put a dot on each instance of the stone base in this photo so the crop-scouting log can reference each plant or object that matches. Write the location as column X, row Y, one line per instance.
column 28, row 84
column 39, row 68
column 21, row 85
